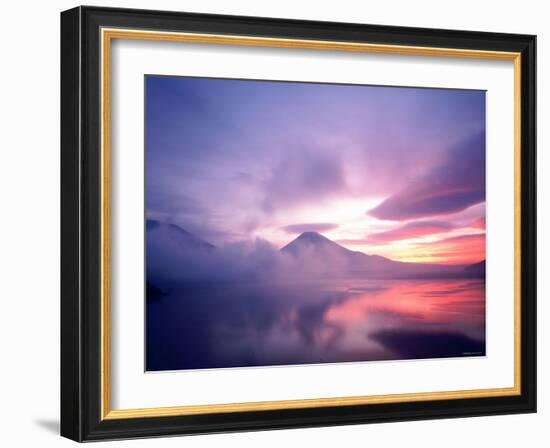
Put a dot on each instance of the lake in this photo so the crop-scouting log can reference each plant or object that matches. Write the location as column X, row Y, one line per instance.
column 217, row 325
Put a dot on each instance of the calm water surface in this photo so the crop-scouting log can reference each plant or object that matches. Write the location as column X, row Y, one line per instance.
column 236, row 325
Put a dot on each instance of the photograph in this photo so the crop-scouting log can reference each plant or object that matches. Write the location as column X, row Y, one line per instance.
column 293, row 223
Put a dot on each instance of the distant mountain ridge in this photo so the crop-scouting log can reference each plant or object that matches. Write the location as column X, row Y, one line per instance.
column 312, row 246
column 177, row 235
column 321, row 247
column 476, row 269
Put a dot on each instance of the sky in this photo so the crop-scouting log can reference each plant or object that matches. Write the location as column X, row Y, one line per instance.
column 392, row 171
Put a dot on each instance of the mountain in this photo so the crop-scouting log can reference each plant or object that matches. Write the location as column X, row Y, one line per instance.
column 153, row 293
column 173, row 234
column 319, row 244
column 476, row 270
column 312, row 245
column 174, row 255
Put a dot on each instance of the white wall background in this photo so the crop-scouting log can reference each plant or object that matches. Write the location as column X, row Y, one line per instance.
column 29, row 229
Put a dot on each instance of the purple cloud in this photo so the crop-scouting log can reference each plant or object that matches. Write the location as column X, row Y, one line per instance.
column 450, row 187
column 312, row 227
column 223, row 155
column 303, row 176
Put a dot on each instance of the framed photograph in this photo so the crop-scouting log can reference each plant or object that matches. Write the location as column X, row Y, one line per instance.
column 273, row 223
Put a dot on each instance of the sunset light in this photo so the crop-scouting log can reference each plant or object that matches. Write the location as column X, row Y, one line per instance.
column 297, row 223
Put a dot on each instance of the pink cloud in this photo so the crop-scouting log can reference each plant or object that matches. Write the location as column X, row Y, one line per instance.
column 408, row 231
column 463, row 249
column 478, row 223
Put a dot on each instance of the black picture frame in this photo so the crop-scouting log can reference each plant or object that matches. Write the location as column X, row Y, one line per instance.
column 81, row 382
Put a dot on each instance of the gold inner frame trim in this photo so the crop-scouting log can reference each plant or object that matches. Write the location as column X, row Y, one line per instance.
column 107, row 35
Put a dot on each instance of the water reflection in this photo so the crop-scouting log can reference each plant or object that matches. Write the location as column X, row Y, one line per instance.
column 237, row 325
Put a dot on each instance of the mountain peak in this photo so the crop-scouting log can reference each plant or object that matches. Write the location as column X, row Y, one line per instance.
column 312, row 241
column 312, row 236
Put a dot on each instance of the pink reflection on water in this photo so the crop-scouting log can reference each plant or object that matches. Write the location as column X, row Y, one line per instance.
column 448, row 306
